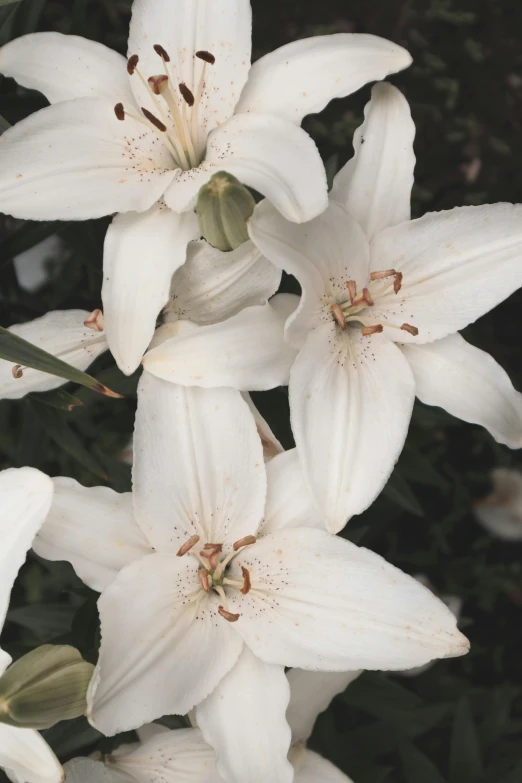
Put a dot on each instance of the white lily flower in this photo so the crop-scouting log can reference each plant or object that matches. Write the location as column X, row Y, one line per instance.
column 500, row 513
column 383, row 298
column 133, row 136
column 75, row 336
column 228, row 575
column 25, row 499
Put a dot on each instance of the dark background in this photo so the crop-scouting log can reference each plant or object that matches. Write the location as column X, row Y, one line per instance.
column 461, row 721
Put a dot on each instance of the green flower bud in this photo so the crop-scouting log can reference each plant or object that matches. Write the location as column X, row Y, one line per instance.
column 44, row 687
column 224, row 206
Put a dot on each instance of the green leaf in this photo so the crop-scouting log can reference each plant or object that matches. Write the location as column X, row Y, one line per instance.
column 15, row 349
column 417, row 767
column 465, row 759
column 398, row 491
column 45, row 621
column 515, row 776
column 8, row 2
column 58, row 398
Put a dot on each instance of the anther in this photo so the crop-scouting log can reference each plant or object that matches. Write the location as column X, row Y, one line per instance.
column 18, row 371
column 206, row 56
column 397, row 283
column 339, row 315
column 212, row 552
column 95, row 321
column 187, row 546
column 351, row 285
column 154, row 120
column 410, row 329
column 364, row 297
column 187, row 95
column 204, row 580
column 368, row 330
column 232, row 618
column 382, row 275
column 247, row 584
column 132, row 64
column 119, row 111
column 161, row 52
column 246, row 541
column 157, row 83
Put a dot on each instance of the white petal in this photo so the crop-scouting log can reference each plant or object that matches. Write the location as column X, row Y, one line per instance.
column 304, row 76
column 25, row 753
column 501, row 512
column 212, row 286
column 275, row 158
column 244, row 721
column 320, row 602
column 134, row 290
column 74, row 160
column 247, row 352
column 322, row 254
column 180, row 756
column 182, row 193
column 288, row 500
column 65, row 67
column 61, row 333
column 271, row 446
column 25, row 499
column 86, row 770
column 456, row 265
column 164, row 656
column 375, row 185
column 469, row 384
column 198, row 465
column 183, row 27
column 32, row 266
column 351, row 399
column 312, row 768
column 310, row 694
column 93, row 529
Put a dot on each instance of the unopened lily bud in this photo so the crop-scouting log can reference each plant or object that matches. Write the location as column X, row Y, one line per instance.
column 44, row 687
column 224, row 206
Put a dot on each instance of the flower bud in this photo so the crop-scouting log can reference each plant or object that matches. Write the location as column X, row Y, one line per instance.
column 224, row 206
column 44, row 687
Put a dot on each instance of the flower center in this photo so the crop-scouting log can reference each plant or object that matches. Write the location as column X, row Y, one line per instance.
column 212, row 571
column 356, row 307
column 176, row 108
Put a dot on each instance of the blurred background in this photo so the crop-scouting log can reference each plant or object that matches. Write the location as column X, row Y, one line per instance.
column 460, row 721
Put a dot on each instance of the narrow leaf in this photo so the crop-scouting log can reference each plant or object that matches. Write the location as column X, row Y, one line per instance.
column 8, row 2
column 58, row 398
column 418, row 767
column 398, row 491
column 465, row 760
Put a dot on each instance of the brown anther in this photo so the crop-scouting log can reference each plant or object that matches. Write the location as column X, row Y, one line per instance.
column 246, row 541
column 95, row 321
column 411, row 329
column 212, row 553
column 119, row 111
column 187, row 546
column 132, row 64
column 186, row 94
column 18, row 371
column 206, row 56
column 154, row 120
column 162, row 53
column 365, row 297
column 397, row 283
column 247, row 584
column 232, row 618
column 204, row 580
column 368, row 330
column 339, row 315
column 351, row 285
column 158, row 83
column 382, row 275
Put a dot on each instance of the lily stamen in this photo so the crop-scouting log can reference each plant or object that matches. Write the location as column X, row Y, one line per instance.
column 369, row 330
column 351, row 285
column 204, row 579
column 382, row 275
column 410, row 329
column 187, row 546
column 232, row 618
column 339, row 316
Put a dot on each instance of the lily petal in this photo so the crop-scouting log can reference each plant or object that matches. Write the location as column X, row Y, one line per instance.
column 288, row 500
column 320, row 602
column 469, row 384
column 311, row 767
column 247, row 352
column 25, row 499
column 25, row 754
column 274, row 157
column 198, row 465
column 164, row 656
column 304, row 76
column 500, row 513
column 347, row 394
column 64, row 67
column 86, row 770
column 74, row 161
column 456, row 266
column 375, row 185
column 93, row 529
column 62, row 333
column 244, row 721
column 310, row 694
column 134, row 288
column 212, row 286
